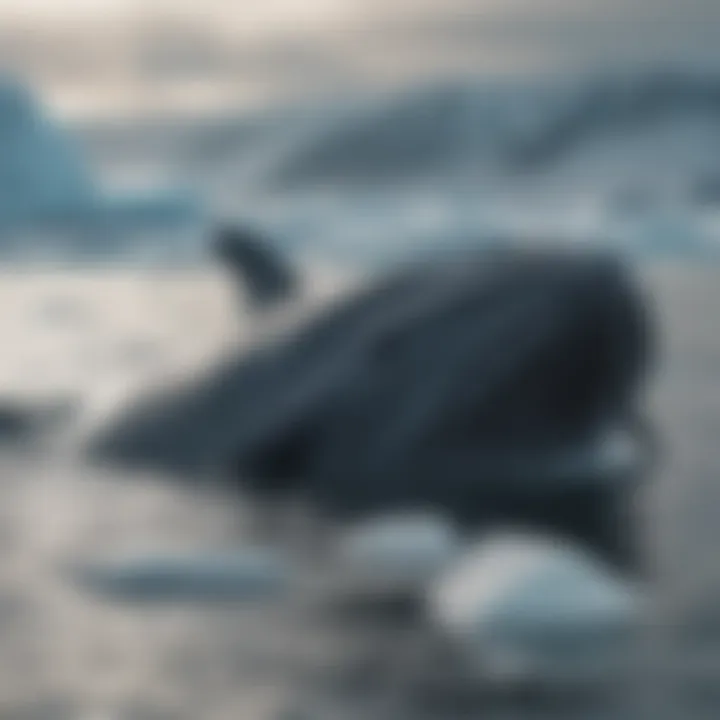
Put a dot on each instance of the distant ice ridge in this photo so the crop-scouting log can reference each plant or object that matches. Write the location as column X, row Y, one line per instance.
column 50, row 205
column 501, row 135
column 377, row 228
column 629, row 161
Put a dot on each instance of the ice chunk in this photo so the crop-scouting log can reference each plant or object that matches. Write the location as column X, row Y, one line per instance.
column 399, row 549
column 243, row 574
column 525, row 606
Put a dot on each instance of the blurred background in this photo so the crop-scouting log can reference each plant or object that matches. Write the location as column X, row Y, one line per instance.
column 483, row 118
column 356, row 135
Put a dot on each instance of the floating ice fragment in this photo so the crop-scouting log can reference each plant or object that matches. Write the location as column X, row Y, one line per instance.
column 240, row 575
column 530, row 607
column 406, row 549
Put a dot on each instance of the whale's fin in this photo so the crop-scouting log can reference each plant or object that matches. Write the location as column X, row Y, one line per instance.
column 265, row 276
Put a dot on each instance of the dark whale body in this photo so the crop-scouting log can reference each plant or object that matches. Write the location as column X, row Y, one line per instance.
column 480, row 385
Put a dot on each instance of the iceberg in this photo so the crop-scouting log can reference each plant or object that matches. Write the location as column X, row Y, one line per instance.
column 47, row 190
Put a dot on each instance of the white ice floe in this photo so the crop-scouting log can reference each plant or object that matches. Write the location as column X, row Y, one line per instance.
column 246, row 574
column 398, row 551
column 529, row 607
column 517, row 607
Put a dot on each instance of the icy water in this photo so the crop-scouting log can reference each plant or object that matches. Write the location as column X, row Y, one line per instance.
column 98, row 339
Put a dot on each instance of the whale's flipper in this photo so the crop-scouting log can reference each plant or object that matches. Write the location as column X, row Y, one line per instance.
column 252, row 260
